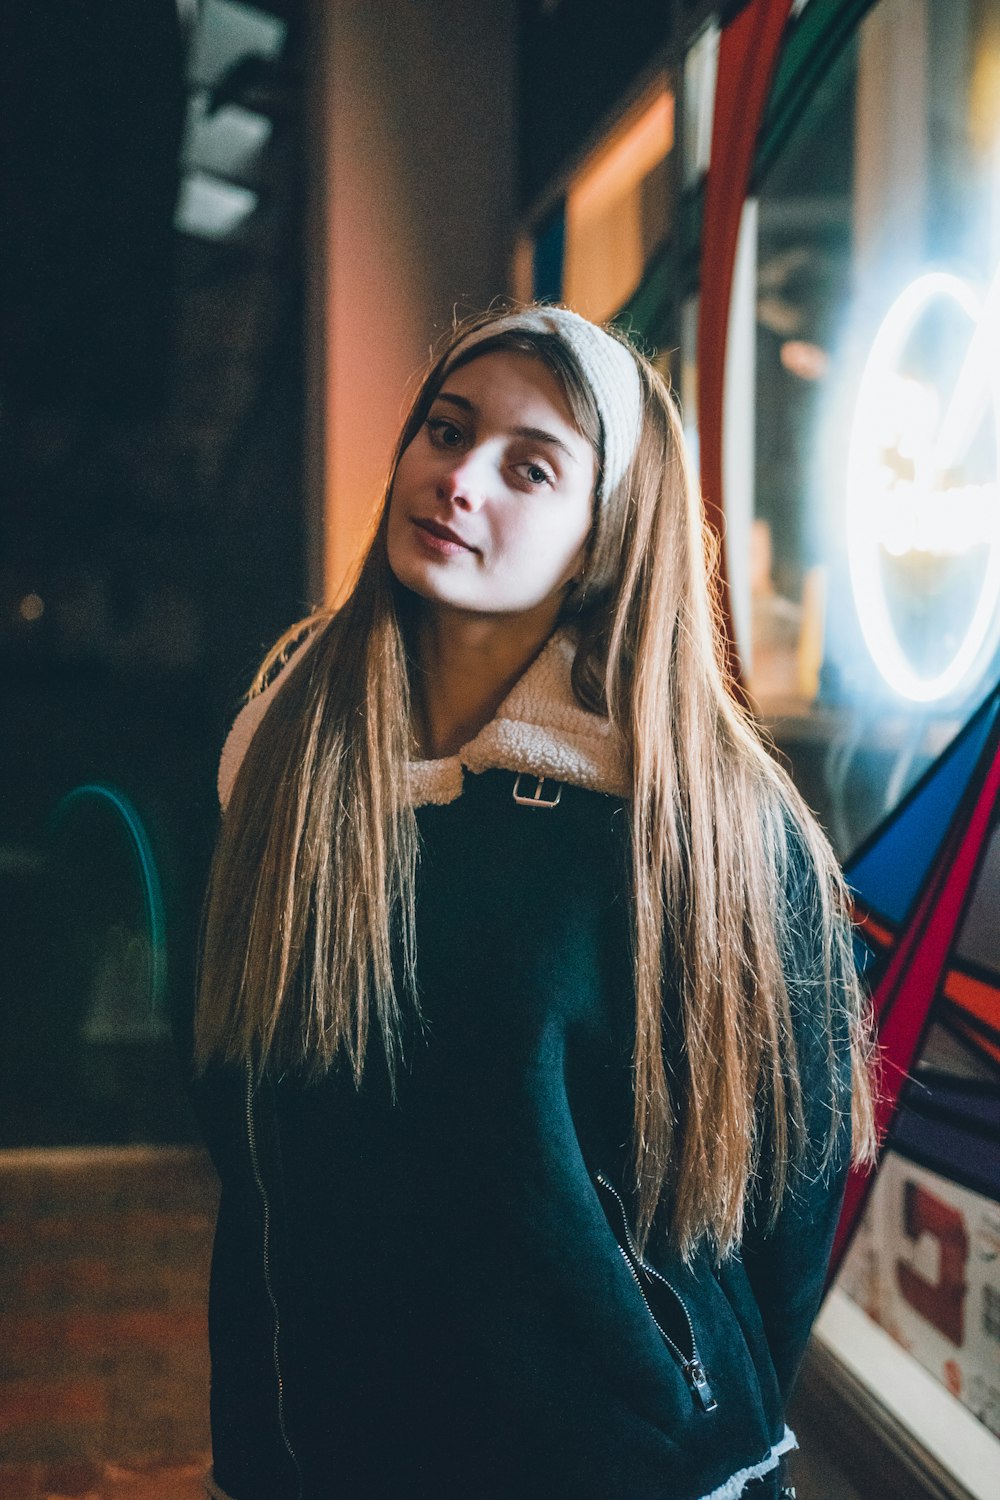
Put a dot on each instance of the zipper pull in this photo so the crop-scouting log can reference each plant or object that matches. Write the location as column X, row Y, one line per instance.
column 694, row 1372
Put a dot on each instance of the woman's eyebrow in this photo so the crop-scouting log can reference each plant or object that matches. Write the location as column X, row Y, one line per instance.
column 536, row 434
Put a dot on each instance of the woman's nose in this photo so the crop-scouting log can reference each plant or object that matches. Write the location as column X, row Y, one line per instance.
column 464, row 483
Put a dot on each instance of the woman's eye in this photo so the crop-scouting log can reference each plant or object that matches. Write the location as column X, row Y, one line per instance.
column 444, row 433
column 537, row 474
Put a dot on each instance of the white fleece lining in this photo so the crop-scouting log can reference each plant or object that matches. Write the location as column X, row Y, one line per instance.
column 731, row 1490
column 539, row 729
column 248, row 720
column 736, row 1484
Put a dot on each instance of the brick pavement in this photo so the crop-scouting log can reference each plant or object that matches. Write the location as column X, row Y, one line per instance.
column 102, row 1481
column 104, row 1257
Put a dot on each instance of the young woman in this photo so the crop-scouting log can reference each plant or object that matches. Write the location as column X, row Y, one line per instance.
column 528, row 1032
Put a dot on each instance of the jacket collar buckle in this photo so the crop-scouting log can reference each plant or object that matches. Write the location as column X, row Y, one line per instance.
column 535, row 798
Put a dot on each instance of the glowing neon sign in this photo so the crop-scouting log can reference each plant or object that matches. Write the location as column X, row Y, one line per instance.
column 904, row 497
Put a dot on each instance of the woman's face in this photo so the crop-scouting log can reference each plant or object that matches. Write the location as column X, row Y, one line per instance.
column 492, row 502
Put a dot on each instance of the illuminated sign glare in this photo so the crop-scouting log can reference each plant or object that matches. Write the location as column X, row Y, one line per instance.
column 904, row 492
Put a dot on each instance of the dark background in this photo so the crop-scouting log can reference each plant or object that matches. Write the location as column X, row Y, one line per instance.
column 153, row 506
column 151, row 532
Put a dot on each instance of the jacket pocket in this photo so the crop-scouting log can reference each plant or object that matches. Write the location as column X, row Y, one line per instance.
column 664, row 1304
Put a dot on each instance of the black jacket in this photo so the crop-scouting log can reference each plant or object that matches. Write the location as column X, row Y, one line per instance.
column 439, row 1296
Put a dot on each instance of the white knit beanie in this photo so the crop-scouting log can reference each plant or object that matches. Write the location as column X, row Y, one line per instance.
column 607, row 366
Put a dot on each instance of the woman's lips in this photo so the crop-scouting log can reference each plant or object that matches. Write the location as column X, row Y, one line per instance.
column 439, row 538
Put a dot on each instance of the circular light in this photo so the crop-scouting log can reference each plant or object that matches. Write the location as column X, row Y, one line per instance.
column 888, row 402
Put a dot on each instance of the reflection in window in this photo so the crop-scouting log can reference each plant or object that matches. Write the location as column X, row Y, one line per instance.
column 866, row 646
column 88, row 1054
column 863, row 537
column 617, row 209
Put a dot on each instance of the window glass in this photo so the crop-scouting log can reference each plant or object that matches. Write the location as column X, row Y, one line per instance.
column 862, row 423
column 91, row 1059
column 700, row 67
column 868, row 554
column 617, row 209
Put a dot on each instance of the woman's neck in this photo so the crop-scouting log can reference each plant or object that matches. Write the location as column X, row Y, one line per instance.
column 468, row 665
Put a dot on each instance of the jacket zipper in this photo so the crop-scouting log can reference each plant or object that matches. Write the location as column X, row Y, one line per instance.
column 692, row 1367
column 265, row 1203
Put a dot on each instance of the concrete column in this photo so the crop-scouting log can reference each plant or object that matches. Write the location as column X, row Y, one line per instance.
column 412, row 220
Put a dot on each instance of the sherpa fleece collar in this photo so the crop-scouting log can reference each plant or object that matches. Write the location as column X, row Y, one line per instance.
column 539, row 729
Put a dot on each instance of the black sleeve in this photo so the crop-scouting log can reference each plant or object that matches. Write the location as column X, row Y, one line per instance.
column 787, row 1263
column 252, row 1453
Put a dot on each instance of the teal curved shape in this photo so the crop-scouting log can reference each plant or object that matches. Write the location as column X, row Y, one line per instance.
column 815, row 41
column 152, row 887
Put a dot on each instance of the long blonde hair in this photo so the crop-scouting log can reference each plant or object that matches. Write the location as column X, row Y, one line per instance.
column 310, row 927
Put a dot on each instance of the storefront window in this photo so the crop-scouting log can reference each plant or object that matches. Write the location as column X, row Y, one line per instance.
column 863, row 514
column 92, row 1058
column 594, row 249
column 700, row 67
column 617, row 209
column 861, row 436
